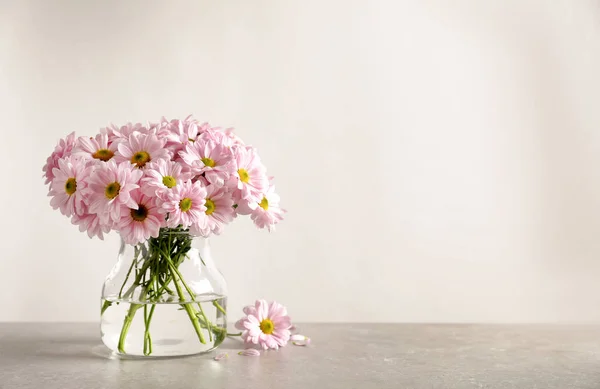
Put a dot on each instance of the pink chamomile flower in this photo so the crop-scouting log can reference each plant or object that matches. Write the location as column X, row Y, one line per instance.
column 204, row 127
column 98, row 148
column 162, row 175
column 122, row 133
column 219, row 212
column 185, row 205
column 209, row 158
column 109, row 188
column 265, row 324
column 90, row 223
column 225, row 137
column 140, row 149
column 180, row 132
column 141, row 222
column 62, row 149
column 68, row 186
column 251, row 174
column 266, row 213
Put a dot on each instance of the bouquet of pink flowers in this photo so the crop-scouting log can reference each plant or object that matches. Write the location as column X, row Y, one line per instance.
column 159, row 186
column 138, row 179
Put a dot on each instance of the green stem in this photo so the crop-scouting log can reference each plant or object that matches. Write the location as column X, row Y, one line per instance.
column 105, row 306
column 219, row 307
column 189, row 309
column 137, row 280
column 176, row 271
column 147, row 337
column 163, row 287
column 133, row 263
column 207, row 322
column 126, row 324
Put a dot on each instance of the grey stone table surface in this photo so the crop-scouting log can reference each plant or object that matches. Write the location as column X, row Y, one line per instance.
column 70, row 356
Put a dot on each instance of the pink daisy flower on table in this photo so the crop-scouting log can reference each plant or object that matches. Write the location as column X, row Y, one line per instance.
column 109, row 188
column 266, row 213
column 91, row 223
column 139, row 149
column 162, row 175
column 62, row 149
column 219, row 211
column 251, row 174
column 185, row 205
column 209, row 158
column 139, row 223
column 265, row 324
column 68, row 186
column 97, row 148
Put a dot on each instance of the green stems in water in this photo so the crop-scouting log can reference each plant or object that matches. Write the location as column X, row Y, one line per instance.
column 190, row 311
column 147, row 337
column 154, row 269
column 126, row 324
column 219, row 307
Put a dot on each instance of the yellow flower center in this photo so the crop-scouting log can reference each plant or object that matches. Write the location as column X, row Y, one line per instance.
column 112, row 190
column 244, row 176
column 208, row 162
column 103, row 154
column 185, row 204
column 267, row 326
column 169, row 181
column 210, row 206
column 264, row 204
column 140, row 158
column 191, row 140
column 70, row 186
column 140, row 214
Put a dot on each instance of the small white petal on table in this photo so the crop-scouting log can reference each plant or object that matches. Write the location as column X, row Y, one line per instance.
column 250, row 352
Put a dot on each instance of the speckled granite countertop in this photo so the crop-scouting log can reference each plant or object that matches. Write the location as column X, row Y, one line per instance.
column 70, row 356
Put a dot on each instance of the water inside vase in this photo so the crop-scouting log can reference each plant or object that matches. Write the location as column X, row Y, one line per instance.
column 171, row 328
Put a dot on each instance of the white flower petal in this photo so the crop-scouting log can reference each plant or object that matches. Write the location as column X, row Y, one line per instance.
column 300, row 340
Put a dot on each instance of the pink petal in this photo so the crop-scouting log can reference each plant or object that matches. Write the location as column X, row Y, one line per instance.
column 218, row 357
column 253, row 320
column 249, row 309
column 262, row 309
column 282, row 322
column 250, row 352
column 277, row 310
column 272, row 343
column 240, row 324
column 281, row 337
column 254, row 331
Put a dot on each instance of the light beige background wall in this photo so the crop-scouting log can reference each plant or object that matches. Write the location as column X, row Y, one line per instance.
column 440, row 160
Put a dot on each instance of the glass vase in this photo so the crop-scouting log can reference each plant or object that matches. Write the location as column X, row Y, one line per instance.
column 164, row 297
